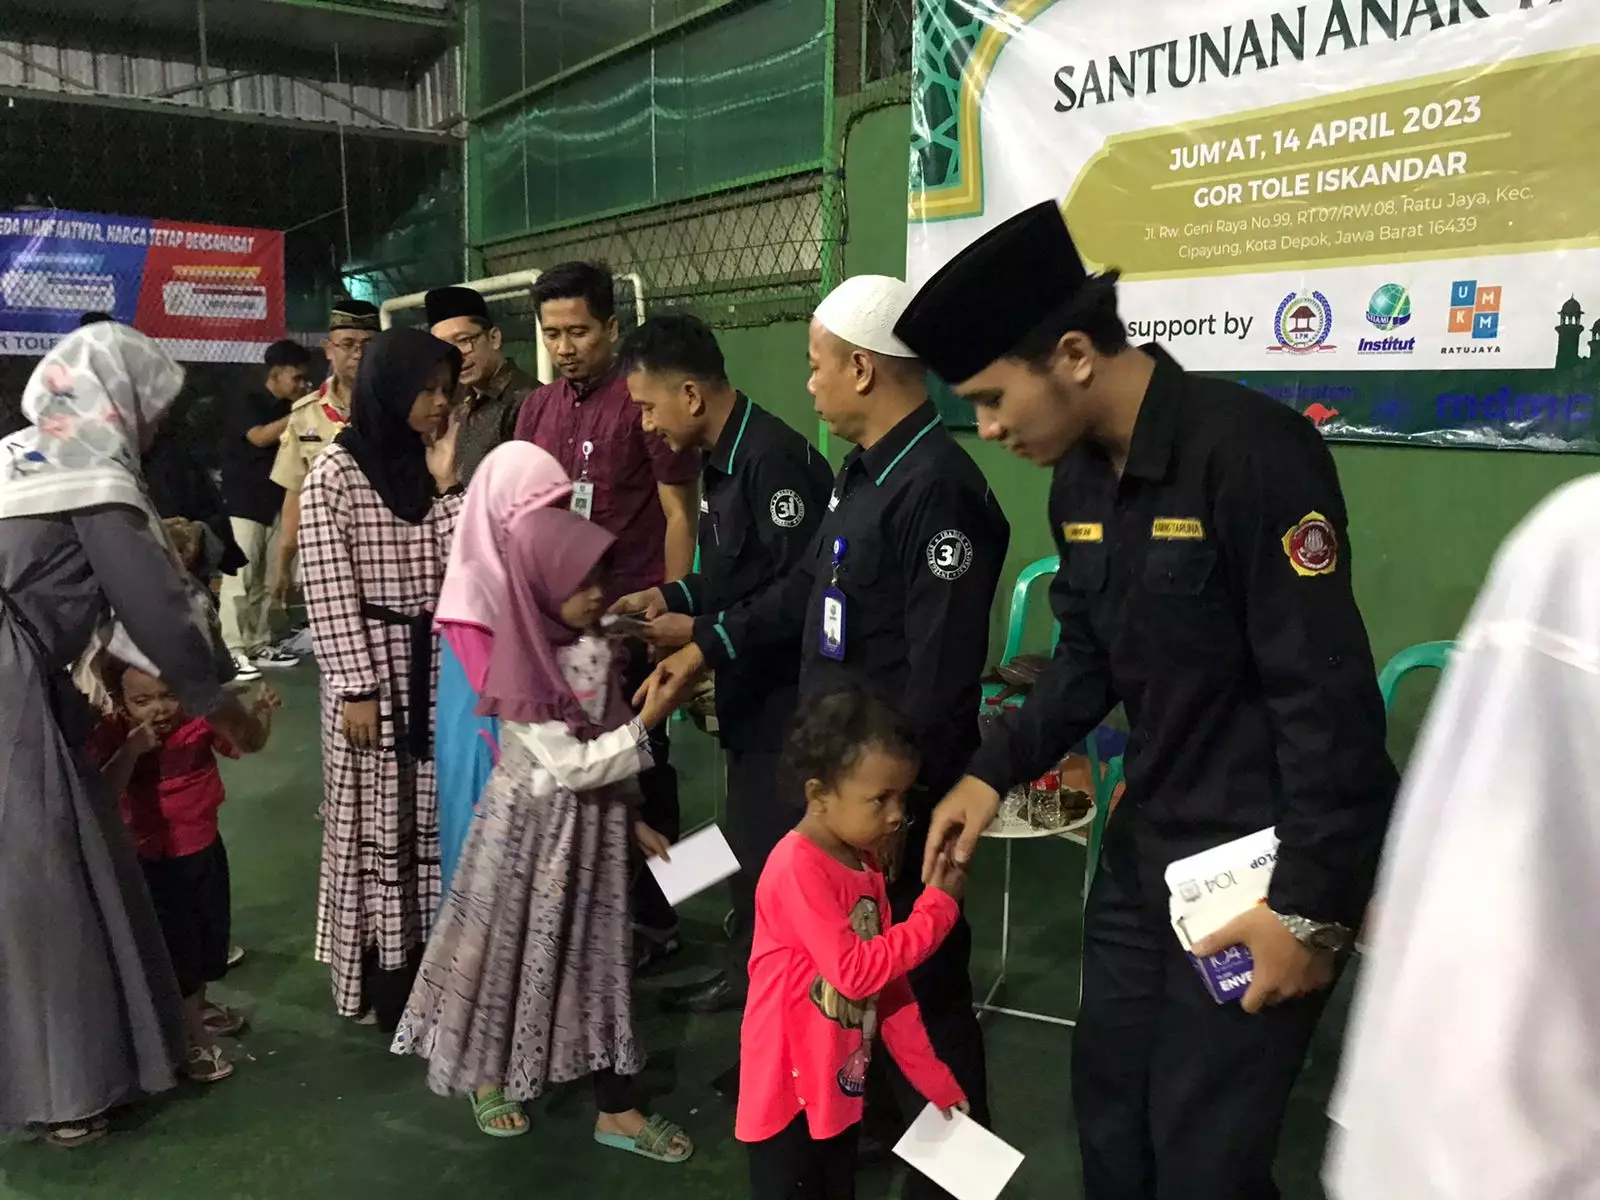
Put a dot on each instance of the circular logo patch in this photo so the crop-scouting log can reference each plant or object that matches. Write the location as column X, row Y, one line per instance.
column 949, row 554
column 1303, row 323
column 787, row 509
column 1312, row 546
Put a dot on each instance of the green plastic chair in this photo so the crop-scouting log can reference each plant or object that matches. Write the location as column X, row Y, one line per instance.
column 1106, row 783
column 1423, row 656
column 1017, row 621
column 1017, row 618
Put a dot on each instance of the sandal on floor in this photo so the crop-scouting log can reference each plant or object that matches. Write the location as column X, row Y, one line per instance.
column 77, row 1133
column 491, row 1106
column 222, row 1021
column 654, row 1141
column 206, row 1064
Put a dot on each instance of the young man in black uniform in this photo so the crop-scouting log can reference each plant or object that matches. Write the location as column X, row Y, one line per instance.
column 1205, row 586
column 764, row 490
column 894, row 599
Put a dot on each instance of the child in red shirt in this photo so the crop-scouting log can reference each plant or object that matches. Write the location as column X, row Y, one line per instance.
column 162, row 764
column 828, row 970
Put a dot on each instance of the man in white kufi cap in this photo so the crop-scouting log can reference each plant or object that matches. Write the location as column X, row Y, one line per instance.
column 897, row 603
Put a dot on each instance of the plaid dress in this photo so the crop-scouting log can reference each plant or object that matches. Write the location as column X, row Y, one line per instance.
column 379, row 883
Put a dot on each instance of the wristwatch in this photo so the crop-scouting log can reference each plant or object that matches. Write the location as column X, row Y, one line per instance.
column 1324, row 937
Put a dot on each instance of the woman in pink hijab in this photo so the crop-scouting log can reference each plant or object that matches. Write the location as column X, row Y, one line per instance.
column 513, row 479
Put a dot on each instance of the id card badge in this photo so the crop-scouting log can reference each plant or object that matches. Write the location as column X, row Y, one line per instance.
column 583, row 499
column 830, row 642
column 583, row 487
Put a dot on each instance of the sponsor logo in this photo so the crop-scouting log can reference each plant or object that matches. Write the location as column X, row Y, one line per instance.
column 1388, row 310
column 1177, row 529
column 787, row 509
column 1082, row 531
column 1474, row 314
column 949, row 554
column 1303, row 324
column 1312, row 546
column 1319, row 414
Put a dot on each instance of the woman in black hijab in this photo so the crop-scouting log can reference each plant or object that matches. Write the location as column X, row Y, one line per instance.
column 378, row 511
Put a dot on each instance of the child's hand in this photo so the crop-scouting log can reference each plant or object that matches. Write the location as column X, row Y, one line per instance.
column 265, row 701
column 654, row 845
column 947, row 877
column 142, row 740
column 963, row 1108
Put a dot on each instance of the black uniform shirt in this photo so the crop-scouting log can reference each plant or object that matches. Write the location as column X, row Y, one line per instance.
column 925, row 541
column 765, row 490
column 1208, row 590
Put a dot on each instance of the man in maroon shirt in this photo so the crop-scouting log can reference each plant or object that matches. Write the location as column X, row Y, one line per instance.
column 631, row 483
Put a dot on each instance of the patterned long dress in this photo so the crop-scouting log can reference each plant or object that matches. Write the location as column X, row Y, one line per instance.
column 527, row 979
column 371, row 582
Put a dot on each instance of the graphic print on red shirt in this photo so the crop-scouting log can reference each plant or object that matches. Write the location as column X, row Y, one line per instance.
column 170, row 805
column 853, row 1014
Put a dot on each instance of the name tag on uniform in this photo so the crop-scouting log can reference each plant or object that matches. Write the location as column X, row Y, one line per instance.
column 1177, row 529
column 1082, row 531
column 583, row 499
column 830, row 639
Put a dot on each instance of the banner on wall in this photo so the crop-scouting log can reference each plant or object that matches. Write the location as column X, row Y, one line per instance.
column 1381, row 212
column 209, row 293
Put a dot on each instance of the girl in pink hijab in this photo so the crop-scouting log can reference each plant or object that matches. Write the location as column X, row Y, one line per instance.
column 513, row 479
column 527, row 980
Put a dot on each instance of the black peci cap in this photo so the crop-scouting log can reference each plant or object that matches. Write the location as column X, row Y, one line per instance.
column 982, row 303
column 445, row 303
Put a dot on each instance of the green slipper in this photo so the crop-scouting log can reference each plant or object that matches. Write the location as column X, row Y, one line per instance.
column 491, row 1106
column 654, row 1141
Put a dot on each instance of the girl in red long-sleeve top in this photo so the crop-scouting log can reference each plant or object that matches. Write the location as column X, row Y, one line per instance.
column 828, row 969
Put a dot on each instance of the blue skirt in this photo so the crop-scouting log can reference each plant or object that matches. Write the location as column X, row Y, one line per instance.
column 463, row 756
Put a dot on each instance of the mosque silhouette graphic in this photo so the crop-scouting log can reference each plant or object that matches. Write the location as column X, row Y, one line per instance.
column 1569, row 341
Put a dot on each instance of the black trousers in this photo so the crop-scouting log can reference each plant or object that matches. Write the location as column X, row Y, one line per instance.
column 791, row 1166
column 613, row 1093
column 660, row 809
column 943, row 988
column 1177, row 1097
column 761, row 810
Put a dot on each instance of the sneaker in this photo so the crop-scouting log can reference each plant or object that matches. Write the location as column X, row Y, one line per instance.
column 244, row 670
column 275, row 658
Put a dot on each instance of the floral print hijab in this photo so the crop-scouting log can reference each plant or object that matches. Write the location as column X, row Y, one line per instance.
column 91, row 403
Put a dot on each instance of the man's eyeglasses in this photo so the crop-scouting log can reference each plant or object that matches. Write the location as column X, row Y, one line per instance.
column 348, row 345
column 467, row 342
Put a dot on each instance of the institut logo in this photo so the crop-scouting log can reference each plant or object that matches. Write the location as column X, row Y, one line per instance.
column 1388, row 310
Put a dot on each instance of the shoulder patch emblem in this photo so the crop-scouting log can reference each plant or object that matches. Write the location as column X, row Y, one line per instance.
column 1312, row 546
column 786, row 508
column 949, row 554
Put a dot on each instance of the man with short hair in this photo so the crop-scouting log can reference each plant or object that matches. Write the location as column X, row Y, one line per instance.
column 896, row 600
column 252, row 428
column 314, row 421
column 764, row 489
column 1205, row 586
column 495, row 387
column 634, row 485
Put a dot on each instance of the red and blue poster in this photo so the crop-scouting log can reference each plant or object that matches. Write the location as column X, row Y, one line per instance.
column 209, row 293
